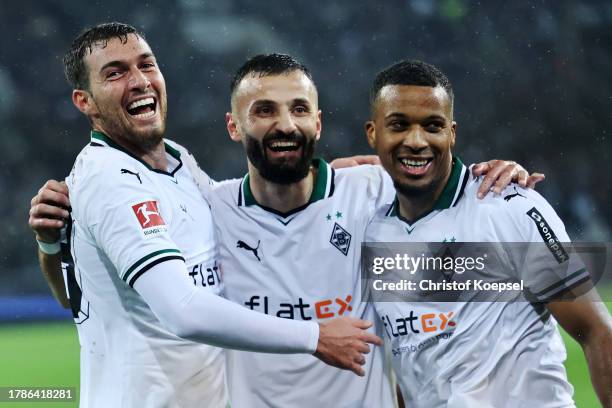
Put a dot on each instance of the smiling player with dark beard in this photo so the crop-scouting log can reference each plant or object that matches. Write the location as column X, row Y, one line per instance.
column 290, row 234
column 307, row 221
column 289, row 159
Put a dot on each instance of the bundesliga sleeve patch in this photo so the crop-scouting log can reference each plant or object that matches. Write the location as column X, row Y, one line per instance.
column 549, row 237
column 151, row 222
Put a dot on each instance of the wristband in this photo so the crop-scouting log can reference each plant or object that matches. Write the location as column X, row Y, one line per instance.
column 49, row 249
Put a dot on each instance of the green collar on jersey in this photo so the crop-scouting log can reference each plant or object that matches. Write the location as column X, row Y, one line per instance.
column 99, row 138
column 323, row 187
column 450, row 195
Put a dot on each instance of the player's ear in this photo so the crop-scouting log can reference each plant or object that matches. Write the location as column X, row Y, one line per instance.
column 319, row 125
column 83, row 101
column 370, row 130
column 453, row 133
column 232, row 127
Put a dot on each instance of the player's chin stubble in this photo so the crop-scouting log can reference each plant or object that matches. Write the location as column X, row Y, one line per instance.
column 412, row 191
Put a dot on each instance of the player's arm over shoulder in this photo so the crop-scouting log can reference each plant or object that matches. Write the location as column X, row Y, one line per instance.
column 374, row 180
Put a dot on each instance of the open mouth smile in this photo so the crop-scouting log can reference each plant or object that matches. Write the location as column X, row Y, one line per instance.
column 415, row 167
column 283, row 146
column 143, row 108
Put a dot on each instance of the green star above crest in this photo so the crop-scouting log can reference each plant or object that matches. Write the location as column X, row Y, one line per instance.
column 329, row 217
column 338, row 214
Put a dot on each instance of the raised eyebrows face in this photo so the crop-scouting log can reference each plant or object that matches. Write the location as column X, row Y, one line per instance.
column 278, row 120
column 412, row 131
column 127, row 92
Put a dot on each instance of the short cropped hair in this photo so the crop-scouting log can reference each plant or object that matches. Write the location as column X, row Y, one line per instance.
column 266, row 65
column 75, row 68
column 410, row 72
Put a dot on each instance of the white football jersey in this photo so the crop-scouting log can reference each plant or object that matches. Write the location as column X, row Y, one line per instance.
column 301, row 265
column 126, row 218
column 479, row 354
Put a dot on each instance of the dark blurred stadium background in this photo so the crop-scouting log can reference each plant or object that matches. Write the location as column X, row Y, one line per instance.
column 533, row 83
column 532, row 79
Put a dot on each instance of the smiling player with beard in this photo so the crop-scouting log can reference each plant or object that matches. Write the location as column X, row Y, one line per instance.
column 289, row 235
column 307, row 221
column 297, row 210
column 141, row 256
column 273, row 155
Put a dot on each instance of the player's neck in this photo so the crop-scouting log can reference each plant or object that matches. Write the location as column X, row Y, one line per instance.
column 281, row 197
column 154, row 154
column 414, row 206
column 156, row 158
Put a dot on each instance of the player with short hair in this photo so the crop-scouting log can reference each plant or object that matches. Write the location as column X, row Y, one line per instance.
column 142, row 264
column 276, row 96
column 482, row 354
column 290, row 234
column 291, row 229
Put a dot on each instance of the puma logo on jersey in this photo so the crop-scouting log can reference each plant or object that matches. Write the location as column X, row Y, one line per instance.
column 126, row 171
column 511, row 196
column 244, row 245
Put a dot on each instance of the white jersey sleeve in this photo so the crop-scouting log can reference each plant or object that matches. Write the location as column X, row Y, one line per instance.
column 545, row 261
column 196, row 314
column 129, row 225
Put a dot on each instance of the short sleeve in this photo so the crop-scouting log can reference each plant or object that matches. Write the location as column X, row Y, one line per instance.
column 543, row 255
column 128, row 220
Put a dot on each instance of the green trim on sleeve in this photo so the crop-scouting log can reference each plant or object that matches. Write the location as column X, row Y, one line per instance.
column 142, row 261
column 555, row 287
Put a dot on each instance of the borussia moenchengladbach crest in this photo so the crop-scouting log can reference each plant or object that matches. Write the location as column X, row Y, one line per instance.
column 340, row 238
